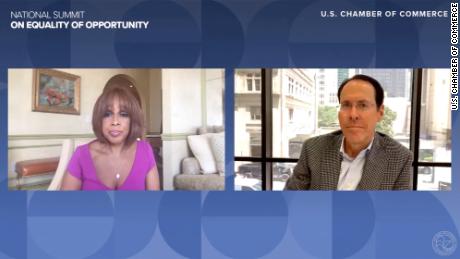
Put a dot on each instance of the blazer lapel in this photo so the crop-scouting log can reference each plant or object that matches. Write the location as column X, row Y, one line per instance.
column 330, row 166
column 375, row 166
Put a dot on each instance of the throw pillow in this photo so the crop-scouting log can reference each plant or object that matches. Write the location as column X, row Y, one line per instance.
column 217, row 142
column 201, row 149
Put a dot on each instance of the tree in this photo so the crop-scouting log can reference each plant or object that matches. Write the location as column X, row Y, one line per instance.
column 386, row 124
column 327, row 116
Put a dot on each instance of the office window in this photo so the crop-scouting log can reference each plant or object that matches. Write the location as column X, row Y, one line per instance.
column 435, row 120
column 435, row 143
column 247, row 114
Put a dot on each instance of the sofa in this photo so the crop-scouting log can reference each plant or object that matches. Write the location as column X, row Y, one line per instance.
column 204, row 169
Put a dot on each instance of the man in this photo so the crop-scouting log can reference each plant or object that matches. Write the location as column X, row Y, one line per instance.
column 355, row 157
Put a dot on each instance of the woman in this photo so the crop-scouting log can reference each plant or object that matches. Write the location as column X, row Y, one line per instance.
column 118, row 159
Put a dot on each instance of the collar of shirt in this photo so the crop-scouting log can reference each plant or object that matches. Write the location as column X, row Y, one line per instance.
column 351, row 169
column 361, row 154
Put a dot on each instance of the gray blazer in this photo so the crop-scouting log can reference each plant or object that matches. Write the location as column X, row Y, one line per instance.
column 388, row 165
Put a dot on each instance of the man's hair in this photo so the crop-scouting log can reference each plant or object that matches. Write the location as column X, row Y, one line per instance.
column 128, row 102
column 377, row 87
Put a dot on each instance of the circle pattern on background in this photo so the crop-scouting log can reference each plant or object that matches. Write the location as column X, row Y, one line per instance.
column 135, row 221
column 172, row 38
column 353, row 215
column 244, row 224
column 409, row 220
column 329, row 45
column 220, row 44
column 433, row 35
column 57, row 223
column 13, row 223
column 265, row 47
column 314, row 235
column 180, row 222
column 397, row 215
column 44, row 54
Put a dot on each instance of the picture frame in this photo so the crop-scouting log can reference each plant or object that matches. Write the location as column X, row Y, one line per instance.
column 56, row 92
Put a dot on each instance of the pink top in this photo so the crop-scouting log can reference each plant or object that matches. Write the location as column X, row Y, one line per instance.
column 81, row 166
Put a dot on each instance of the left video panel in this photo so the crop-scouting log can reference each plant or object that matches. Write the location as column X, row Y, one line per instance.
column 116, row 129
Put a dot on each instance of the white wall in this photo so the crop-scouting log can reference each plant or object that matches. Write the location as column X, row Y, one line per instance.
column 215, row 81
column 181, row 90
column 192, row 98
column 182, row 100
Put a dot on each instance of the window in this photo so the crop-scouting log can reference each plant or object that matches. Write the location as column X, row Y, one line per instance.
column 291, row 114
column 249, row 84
column 256, row 143
column 255, row 113
column 247, row 114
column 415, row 115
column 333, row 98
column 434, row 141
column 257, row 83
column 253, row 82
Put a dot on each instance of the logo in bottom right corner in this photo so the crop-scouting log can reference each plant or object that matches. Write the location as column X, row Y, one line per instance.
column 444, row 243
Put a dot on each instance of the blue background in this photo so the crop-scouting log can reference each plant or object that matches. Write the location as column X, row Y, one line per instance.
column 226, row 34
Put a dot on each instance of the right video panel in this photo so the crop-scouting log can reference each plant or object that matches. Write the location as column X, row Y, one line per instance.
column 327, row 129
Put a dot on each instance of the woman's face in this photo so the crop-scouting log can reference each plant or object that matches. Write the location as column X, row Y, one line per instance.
column 116, row 123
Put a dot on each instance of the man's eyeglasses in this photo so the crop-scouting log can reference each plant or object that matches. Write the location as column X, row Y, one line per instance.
column 360, row 106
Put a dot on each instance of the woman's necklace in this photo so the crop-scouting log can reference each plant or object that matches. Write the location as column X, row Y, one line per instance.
column 117, row 176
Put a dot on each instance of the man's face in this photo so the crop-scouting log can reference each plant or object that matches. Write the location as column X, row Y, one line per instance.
column 358, row 113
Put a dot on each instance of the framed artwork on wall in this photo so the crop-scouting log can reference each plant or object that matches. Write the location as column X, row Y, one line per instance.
column 56, row 91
